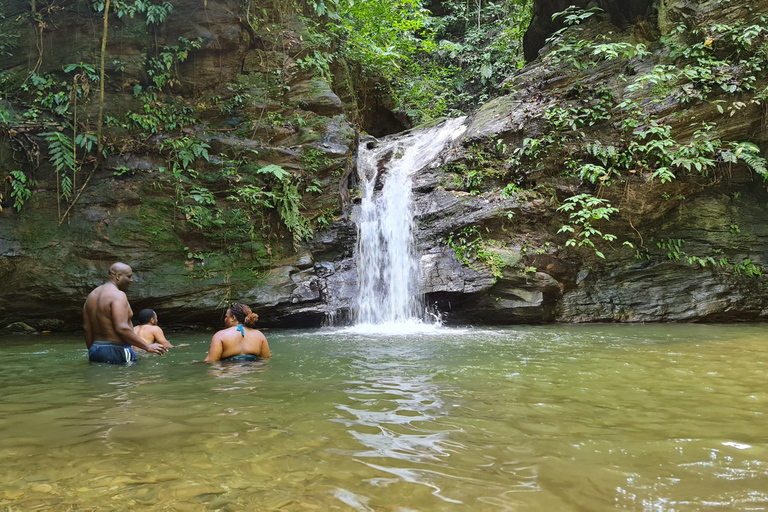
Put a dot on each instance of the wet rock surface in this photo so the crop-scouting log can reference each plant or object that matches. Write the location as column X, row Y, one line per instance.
column 47, row 270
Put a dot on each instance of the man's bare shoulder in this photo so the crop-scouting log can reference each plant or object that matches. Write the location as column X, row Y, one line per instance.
column 94, row 298
column 105, row 290
column 96, row 291
column 111, row 294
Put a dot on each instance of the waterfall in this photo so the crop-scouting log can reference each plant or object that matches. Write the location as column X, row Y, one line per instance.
column 388, row 266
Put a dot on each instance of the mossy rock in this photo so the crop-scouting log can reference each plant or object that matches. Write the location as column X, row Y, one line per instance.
column 316, row 96
column 508, row 258
column 19, row 327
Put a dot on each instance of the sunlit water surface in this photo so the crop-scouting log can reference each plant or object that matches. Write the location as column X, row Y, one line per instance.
column 576, row 418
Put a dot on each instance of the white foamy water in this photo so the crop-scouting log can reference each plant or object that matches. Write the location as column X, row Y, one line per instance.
column 390, row 297
column 408, row 327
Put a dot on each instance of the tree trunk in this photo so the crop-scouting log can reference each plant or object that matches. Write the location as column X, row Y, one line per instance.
column 101, row 76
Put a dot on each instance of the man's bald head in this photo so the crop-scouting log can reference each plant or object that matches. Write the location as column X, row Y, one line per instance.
column 121, row 274
column 119, row 268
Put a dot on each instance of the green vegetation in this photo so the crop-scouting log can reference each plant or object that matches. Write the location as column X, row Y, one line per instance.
column 20, row 189
column 581, row 54
column 481, row 166
column 432, row 63
column 583, row 211
column 471, row 248
column 671, row 249
column 162, row 125
column 715, row 64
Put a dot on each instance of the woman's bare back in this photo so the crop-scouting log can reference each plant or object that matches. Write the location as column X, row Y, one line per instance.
column 238, row 340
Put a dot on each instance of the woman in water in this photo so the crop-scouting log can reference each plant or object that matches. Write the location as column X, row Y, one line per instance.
column 239, row 341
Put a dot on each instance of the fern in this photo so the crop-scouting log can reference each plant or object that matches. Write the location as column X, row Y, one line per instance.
column 66, row 187
column 86, row 141
column 20, row 189
column 288, row 203
column 750, row 154
column 284, row 197
column 61, row 152
column 275, row 171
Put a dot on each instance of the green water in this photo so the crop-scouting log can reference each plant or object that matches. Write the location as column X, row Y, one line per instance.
column 564, row 418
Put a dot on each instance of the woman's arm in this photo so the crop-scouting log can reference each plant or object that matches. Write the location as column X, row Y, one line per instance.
column 214, row 352
column 264, row 347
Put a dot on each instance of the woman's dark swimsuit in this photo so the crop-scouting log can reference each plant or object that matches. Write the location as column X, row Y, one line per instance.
column 111, row 352
column 241, row 357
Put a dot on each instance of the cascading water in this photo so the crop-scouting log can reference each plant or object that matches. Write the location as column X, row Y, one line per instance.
column 387, row 263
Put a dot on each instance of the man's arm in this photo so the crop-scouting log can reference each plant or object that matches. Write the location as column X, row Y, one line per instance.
column 157, row 332
column 87, row 327
column 121, row 324
column 214, row 352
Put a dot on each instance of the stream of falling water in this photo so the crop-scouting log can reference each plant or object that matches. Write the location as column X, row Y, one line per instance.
column 388, row 266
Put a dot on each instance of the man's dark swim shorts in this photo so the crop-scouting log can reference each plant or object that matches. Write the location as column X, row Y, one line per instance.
column 110, row 352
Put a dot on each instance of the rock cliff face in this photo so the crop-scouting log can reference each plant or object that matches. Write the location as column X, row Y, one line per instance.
column 491, row 184
column 237, row 89
column 670, row 225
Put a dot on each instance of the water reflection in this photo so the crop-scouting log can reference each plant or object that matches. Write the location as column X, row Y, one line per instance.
column 235, row 369
column 394, row 415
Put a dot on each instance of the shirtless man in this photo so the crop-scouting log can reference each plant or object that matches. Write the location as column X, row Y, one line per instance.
column 240, row 341
column 147, row 329
column 107, row 321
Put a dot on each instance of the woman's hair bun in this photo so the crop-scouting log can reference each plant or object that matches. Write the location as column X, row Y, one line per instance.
column 251, row 320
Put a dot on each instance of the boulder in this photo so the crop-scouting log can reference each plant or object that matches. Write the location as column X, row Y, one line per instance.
column 19, row 327
column 316, row 96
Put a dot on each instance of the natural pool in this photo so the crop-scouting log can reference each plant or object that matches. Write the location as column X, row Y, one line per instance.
column 557, row 418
